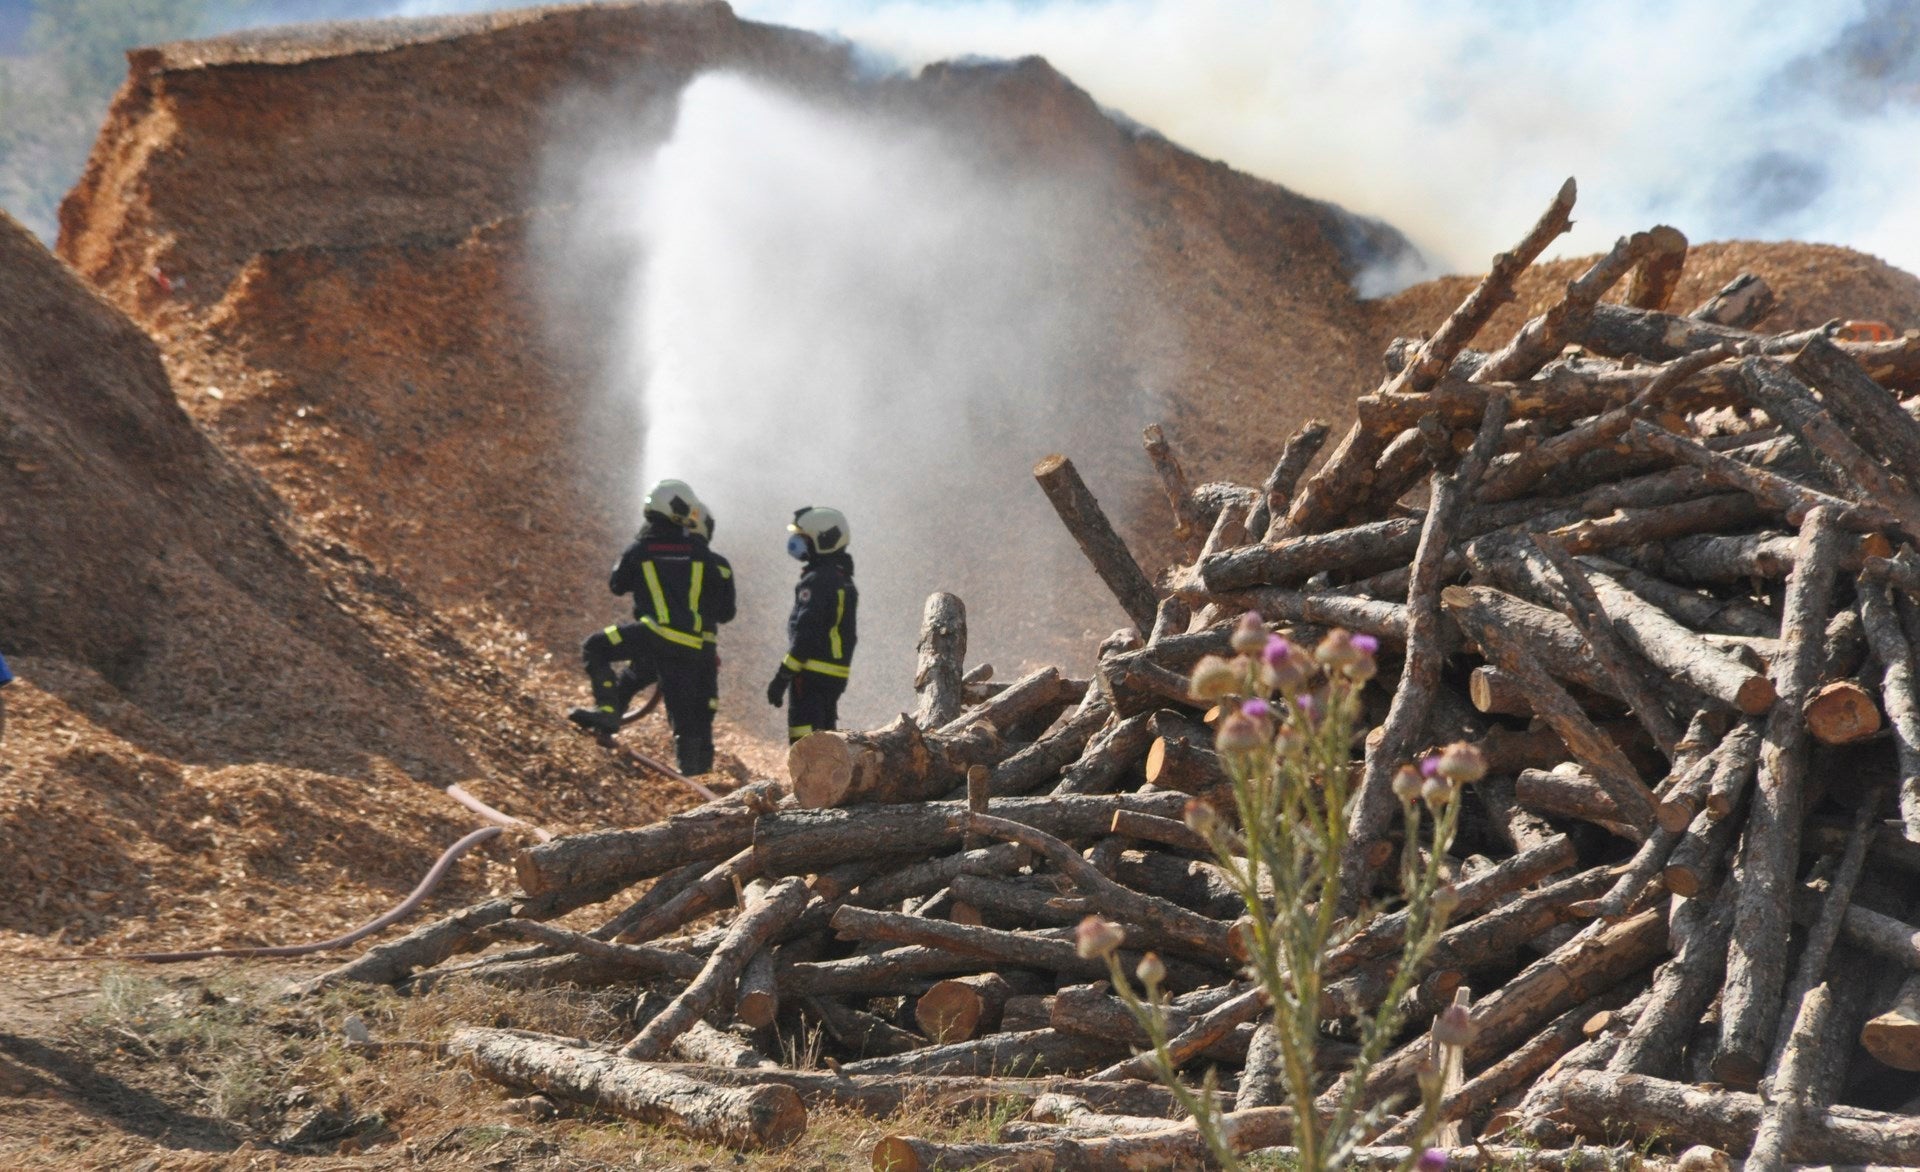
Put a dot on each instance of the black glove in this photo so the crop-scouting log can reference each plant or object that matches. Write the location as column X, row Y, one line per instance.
column 777, row 690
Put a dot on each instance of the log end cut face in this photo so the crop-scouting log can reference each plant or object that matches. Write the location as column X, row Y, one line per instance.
column 820, row 766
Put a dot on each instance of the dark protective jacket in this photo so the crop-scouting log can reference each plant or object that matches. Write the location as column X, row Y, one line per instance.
column 821, row 630
column 681, row 589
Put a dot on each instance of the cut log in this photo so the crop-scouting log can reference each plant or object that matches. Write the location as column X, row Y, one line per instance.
column 714, row 889
column 860, row 1032
column 711, row 1047
column 1598, row 1104
column 791, row 842
column 1777, row 492
column 630, row 960
column 1756, row 965
column 1544, row 337
column 1841, row 713
column 898, row 763
column 1090, row 1010
column 1187, row 528
column 1041, row 762
column 711, row 832
column 1893, row 1036
column 1575, row 795
column 1157, row 920
column 1470, row 607
column 767, row 910
column 1277, row 493
column 1178, row 1148
column 1117, row 748
column 960, row 1008
column 1680, row 653
column 1630, row 527
column 1697, row 610
column 1871, row 414
column 1742, row 303
column 942, row 660
column 744, row 1118
column 757, row 1002
column 1026, row 1055
column 921, row 879
column 1776, row 389
column 1293, row 560
column 1682, row 988
column 1185, row 766
column 1091, row 530
column 1892, row 648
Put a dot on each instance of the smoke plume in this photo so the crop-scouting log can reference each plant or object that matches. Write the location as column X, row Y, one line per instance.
column 809, row 304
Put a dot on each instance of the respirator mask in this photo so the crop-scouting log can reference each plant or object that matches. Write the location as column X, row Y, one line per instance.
column 797, row 547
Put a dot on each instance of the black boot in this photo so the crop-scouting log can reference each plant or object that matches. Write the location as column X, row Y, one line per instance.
column 604, row 721
column 693, row 757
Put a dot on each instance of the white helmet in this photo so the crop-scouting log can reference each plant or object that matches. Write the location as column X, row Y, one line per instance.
column 702, row 522
column 824, row 530
column 672, row 500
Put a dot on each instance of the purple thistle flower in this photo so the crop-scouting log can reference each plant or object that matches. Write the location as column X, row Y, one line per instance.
column 1257, row 708
column 1431, row 1160
column 1429, row 766
column 1277, row 651
column 1305, row 704
column 1366, row 643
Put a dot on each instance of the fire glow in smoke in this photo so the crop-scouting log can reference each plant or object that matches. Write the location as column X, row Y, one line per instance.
column 821, row 306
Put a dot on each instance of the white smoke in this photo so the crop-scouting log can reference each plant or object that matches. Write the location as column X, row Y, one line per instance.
column 1454, row 122
column 816, row 306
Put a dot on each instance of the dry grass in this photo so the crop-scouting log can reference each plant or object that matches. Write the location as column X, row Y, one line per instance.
column 265, row 1074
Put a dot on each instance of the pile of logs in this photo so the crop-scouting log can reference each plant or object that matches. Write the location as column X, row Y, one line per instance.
column 1656, row 566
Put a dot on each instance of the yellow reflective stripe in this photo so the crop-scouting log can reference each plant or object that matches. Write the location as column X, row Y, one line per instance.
column 796, row 731
column 693, row 591
column 671, row 635
column 725, row 571
column 792, row 664
column 833, row 636
column 714, row 703
column 712, row 637
column 659, row 595
column 838, row 670
column 613, row 635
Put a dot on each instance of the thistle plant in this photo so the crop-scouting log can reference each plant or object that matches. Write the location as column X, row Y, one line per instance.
column 1288, row 717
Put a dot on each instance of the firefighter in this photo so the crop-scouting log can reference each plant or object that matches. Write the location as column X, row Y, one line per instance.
column 682, row 591
column 821, row 629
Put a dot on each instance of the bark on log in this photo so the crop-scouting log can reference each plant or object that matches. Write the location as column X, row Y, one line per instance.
column 804, row 841
column 1262, row 1071
column 715, row 889
column 1165, row 831
column 1277, row 493
column 1042, row 761
column 1675, row 650
column 1790, row 1106
column 1052, row 953
column 1088, row 524
column 1110, row 753
column 881, row 1095
column 1777, row 492
column 1657, row 275
column 1721, row 559
column 1184, row 766
column 711, row 831
column 630, row 960
column 1014, row 906
column 757, row 1003
column 890, row 888
column 1027, row 699
column 1293, row 560
column 1572, row 794
column 1893, row 649
column 1196, row 1037
column 1593, row 962
column 1544, row 337
column 708, row 1046
column 1187, row 528
column 1091, row 1011
column 1588, row 613
column 1158, row 920
column 1472, row 608
column 1025, row 1055
column 1741, row 303
column 1778, row 390
column 1756, row 966
column 1634, row 526
column 1598, row 1104
column 744, row 1118
column 1179, row 1148
column 765, row 913
column 1682, row 988
column 942, row 660
column 897, row 763
column 1871, row 413
column 860, row 1032
column 1619, row 331
column 662, row 891
column 1702, row 612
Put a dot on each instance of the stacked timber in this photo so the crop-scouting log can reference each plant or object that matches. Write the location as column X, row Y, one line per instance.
column 1658, row 567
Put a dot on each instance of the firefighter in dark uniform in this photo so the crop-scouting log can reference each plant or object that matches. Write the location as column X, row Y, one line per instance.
column 682, row 591
column 821, row 629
